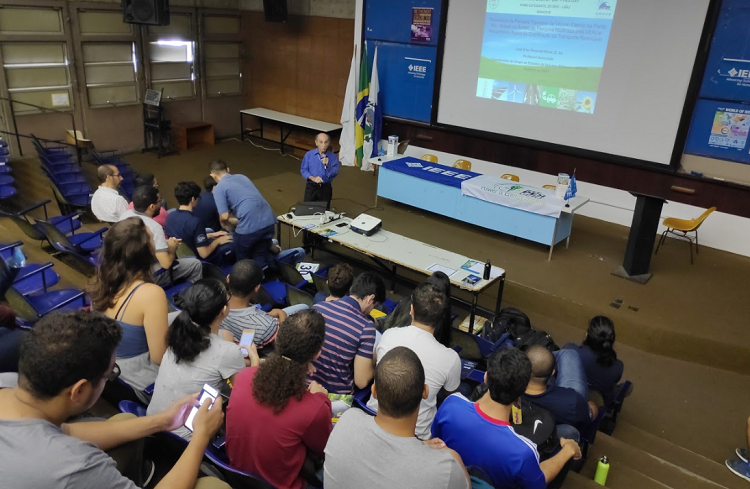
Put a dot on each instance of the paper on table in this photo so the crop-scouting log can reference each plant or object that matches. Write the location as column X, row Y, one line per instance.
column 475, row 267
column 440, row 268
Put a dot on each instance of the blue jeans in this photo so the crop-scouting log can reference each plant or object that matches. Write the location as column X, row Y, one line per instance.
column 296, row 308
column 256, row 246
column 291, row 256
column 569, row 432
column 570, row 372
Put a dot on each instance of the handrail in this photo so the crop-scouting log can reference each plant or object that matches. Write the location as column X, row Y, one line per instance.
column 43, row 109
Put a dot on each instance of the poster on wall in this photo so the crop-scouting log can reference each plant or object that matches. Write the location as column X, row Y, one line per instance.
column 720, row 130
column 421, row 25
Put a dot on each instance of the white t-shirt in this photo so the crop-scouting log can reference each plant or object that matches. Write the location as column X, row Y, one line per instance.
column 160, row 240
column 219, row 361
column 442, row 369
column 108, row 205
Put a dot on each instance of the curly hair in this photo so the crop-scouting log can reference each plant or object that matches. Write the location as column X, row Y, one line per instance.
column 190, row 332
column 283, row 375
column 127, row 256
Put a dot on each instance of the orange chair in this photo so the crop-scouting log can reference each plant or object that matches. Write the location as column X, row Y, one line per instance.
column 509, row 176
column 462, row 164
column 680, row 227
column 551, row 187
column 430, row 158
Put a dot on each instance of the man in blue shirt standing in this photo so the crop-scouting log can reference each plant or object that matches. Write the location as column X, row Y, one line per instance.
column 251, row 217
column 319, row 167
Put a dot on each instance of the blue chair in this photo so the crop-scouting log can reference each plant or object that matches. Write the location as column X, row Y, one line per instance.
column 131, row 407
column 298, row 296
column 32, row 278
column 71, row 202
column 234, row 477
column 66, row 224
column 7, row 191
column 609, row 423
column 361, row 396
column 82, row 243
column 6, row 180
column 588, row 432
column 487, row 348
column 276, row 290
column 5, row 169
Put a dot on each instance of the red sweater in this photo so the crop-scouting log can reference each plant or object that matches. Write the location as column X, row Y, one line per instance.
column 270, row 445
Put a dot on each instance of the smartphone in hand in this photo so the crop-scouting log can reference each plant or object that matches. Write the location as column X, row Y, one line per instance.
column 208, row 394
column 246, row 339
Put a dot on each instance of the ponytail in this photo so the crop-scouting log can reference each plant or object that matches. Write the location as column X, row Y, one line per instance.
column 600, row 337
column 189, row 334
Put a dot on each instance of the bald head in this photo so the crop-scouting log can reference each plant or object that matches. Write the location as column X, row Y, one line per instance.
column 543, row 363
column 322, row 141
column 109, row 176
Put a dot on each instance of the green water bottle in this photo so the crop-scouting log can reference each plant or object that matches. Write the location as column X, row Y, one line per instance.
column 602, row 469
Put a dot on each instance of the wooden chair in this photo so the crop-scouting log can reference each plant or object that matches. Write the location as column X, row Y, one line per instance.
column 430, row 158
column 509, row 176
column 462, row 164
column 680, row 229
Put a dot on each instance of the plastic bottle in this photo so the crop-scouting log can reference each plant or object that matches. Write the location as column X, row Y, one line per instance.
column 602, row 469
column 487, row 268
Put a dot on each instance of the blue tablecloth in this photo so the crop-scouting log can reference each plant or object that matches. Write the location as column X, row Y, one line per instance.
column 445, row 175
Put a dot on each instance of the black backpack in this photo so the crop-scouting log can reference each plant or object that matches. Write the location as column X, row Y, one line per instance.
column 535, row 337
column 509, row 320
column 537, row 424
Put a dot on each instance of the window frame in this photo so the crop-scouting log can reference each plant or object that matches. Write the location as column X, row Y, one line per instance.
column 149, row 37
column 206, row 38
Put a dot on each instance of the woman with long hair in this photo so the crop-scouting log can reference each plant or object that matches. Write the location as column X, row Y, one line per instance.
column 274, row 417
column 123, row 289
column 603, row 369
column 196, row 355
column 401, row 316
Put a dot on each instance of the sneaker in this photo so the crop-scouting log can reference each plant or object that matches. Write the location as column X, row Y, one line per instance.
column 739, row 468
column 147, row 472
column 743, row 454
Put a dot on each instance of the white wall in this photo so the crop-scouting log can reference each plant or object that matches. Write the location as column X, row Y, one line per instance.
column 721, row 231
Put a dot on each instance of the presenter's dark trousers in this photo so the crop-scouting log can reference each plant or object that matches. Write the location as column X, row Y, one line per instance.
column 318, row 192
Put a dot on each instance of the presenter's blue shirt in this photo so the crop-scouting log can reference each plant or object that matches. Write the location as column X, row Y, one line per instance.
column 238, row 195
column 312, row 165
column 205, row 210
column 509, row 459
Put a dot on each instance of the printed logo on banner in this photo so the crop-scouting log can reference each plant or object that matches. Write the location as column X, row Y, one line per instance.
column 417, row 71
column 414, row 165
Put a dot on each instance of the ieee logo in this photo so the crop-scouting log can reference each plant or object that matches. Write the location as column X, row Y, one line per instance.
column 734, row 72
column 417, row 69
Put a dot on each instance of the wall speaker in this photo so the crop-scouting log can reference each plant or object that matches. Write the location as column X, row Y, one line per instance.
column 150, row 12
column 275, row 10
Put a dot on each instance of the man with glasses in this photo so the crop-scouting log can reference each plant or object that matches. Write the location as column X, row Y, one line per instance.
column 346, row 357
column 107, row 203
column 65, row 362
column 319, row 167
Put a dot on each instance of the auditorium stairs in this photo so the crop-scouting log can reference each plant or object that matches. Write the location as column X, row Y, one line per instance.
column 683, row 337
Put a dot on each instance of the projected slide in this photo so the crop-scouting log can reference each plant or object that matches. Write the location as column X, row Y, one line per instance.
column 547, row 53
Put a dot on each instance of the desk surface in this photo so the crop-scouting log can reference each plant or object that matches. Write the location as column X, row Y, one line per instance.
column 292, row 120
column 400, row 250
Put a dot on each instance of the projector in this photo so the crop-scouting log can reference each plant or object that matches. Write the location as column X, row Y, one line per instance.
column 367, row 225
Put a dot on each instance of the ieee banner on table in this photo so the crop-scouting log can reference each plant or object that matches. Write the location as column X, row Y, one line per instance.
column 442, row 174
column 513, row 194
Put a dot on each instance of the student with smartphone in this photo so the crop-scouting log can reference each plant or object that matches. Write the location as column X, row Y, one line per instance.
column 196, row 355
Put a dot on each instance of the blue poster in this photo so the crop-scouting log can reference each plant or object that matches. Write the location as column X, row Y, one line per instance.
column 720, row 130
column 727, row 75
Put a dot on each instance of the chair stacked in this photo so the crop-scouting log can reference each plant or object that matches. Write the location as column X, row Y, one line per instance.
column 7, row 182
column 72, row 191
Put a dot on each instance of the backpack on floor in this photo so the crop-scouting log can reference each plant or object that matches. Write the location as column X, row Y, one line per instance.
column 535, row 337
column 509, row 320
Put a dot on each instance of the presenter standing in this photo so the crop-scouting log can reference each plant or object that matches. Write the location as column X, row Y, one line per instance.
column 319, row 167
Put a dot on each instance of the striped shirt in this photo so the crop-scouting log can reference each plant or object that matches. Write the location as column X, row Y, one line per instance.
column 348, row 333
column 253, row 317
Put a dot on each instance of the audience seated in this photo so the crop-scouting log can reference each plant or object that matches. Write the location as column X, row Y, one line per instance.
column 274, row 419
column 149, row 180
column 123, row 289
column 291, row 256
column 244, row 282
column 558, row 384
column 107, row 204
column 65, row 362
column 340, row 278
column 251, row 219
column 442, row 366
column 401, row 316
column 168, row 269
column 599, row 359
column 381, row 451
column 347, row 357
column 213, row 247
column 196, row 355
column 481, row 433
column 10, row 340
column 205, row 209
